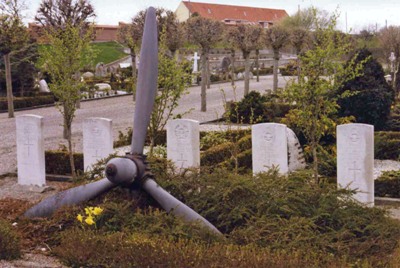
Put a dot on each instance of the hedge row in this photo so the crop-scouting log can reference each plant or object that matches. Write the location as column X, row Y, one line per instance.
column 388, row 184
column 25, row 102
column 222, row 152
column 387, row 145
column 57, row 162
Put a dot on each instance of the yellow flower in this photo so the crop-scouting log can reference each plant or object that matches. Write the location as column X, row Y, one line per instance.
column 97, row 211
column 87, row 211
column 79, row 217
column 89, row 220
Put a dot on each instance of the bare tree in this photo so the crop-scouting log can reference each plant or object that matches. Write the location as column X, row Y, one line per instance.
column 57, row 14
column 299, row 38
column 205, row 33
column 13, row 36
column 276, row 37
column 246, row 38
column 130, row 34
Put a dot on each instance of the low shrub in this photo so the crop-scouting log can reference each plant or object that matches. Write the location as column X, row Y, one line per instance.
column 57, row 162
column 388, row 184
column 250, row 109
column 25, row 102
column 387, row 145
column 9, row 242
column 86, row 249
column 265, row 71
column 222, row 152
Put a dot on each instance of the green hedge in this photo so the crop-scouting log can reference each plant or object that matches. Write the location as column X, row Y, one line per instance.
column 388, row 184
column 387, row 145
column 220, row 153
column 57, row 162
column 25, row 102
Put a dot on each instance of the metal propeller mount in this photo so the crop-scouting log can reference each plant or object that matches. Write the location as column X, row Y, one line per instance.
column 132, row 168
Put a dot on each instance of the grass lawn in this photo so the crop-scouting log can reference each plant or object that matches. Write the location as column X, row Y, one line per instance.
column 108, row 52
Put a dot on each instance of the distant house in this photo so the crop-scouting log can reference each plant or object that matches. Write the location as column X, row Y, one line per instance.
column 230, row 15
column 103, row 33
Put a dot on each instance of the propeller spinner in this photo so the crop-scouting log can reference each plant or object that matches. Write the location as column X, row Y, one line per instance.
column 132, row 168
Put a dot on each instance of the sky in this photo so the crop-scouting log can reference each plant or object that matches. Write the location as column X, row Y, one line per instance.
column 360, row 14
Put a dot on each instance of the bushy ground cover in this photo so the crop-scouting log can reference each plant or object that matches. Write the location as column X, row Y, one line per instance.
column 267, row 220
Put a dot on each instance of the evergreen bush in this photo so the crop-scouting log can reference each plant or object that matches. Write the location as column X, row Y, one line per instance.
column 9, row 242
column 371, row 97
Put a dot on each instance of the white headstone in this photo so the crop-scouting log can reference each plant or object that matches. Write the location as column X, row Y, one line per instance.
column 240, row 76
column 195, row 63
column 87, row 75
column 30, row 150
column 296, row 159
column 269, row 145
column 183, row 143
column 103, row 87
column 355, row 160
column 43, row 87
column 97, row 140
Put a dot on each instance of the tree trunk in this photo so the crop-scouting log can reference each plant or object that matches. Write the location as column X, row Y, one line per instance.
column 298, row 65
column 276, row 64
column 70, row 152
column 233, row 67
column 78, row 101
column 246, row 56
column 203, row 81
column 258, row 64
column 10, row 102
column 208, row 72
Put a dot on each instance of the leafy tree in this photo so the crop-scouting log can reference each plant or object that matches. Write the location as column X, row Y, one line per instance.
column 13, row 36
column 68, row 52
column 276, row 37
column 309, row 19
column 314, row 93
column 205, row 33
column 246, row 38
column 373, row 96
column 173, row 80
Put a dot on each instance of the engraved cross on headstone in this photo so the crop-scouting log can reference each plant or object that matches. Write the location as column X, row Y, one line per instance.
column 354, row 169
column 28, row 142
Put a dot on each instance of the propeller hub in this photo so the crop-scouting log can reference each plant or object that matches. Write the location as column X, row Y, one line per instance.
column 121, row 171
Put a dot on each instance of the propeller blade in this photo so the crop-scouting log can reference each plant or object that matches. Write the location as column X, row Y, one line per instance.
column 173, row 205
column 71, row 196
column 147, row 82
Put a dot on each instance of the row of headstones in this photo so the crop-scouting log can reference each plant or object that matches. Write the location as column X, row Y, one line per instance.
column 274, row 145
column 97, row 144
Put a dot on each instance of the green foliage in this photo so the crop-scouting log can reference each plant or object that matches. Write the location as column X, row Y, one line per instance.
column 372, row 96
column 248, row 110
column 291, row 213
column 10, row 247
column 387, row 145
column 57, row 162
column 68, row 53
column 322, row 73
column 388, row 184
column 172, row 82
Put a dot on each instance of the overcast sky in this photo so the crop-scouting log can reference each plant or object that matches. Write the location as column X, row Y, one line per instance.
column 360, row 13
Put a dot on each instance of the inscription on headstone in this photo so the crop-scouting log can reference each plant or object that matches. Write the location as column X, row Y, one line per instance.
column 183, row 143
column 30, row 150
column 269, row 145
column 355, row 160
column 97, row 140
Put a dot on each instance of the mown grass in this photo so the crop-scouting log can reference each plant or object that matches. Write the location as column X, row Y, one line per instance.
column 108, row 52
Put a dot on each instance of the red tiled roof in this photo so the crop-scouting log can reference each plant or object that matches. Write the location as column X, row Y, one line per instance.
column 223, row 12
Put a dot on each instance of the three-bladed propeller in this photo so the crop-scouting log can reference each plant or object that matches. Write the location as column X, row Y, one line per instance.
column 132, row 168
